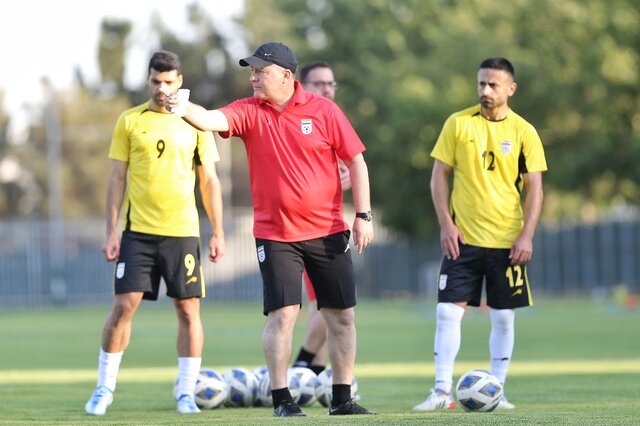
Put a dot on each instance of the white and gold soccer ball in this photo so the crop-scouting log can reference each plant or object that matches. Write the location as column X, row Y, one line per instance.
column 478, row 390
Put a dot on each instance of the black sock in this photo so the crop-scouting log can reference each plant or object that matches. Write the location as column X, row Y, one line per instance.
column 280, row 395
column 316, row 368
column 341, row 393
column 304, row 358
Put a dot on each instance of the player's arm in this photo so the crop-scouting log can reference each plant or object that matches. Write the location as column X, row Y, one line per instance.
column 450, row 235
column 522, row 248
column 359, row 173
column 211, row 192
column 213, row 120
column 116, row 187
column 199, row 117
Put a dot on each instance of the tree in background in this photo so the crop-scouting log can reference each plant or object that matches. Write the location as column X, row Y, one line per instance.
column 405, row 65
column 15, row 182
column 88, row 112
column 111, row 49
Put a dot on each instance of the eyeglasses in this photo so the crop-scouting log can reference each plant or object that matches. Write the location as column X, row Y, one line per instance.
column 321, row 84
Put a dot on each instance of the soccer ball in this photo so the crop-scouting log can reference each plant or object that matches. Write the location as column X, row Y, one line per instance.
column 211, row 390
column 264, row 389
column 242, row 387
column 260, row 372
column 264, row 392
column 324, row 391
column 304, row 382
column 478, row 390
column 293, row 384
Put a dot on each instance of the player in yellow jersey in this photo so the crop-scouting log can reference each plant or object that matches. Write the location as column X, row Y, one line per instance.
column 155, row 155
column 485, row 233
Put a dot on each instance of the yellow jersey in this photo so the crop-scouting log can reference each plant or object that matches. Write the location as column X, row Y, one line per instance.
column 488, row 160
column 161, row 150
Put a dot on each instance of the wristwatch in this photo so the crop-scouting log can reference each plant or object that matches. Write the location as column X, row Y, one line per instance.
column 368, row 216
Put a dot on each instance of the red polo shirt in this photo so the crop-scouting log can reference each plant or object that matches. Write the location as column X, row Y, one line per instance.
column 293, row 169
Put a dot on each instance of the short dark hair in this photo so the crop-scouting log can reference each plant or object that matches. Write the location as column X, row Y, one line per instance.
column 304, row 72
column 163, row 60
column 498, row 63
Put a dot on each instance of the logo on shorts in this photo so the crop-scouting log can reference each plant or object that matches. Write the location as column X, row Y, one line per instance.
column 261, row 255
column 306, row 126
column 517, row 292
column 347, row 248
column 120, row 270
column 442, row 282
column 191, row 280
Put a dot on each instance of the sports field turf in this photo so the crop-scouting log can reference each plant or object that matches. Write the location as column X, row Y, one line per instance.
column 576, row 362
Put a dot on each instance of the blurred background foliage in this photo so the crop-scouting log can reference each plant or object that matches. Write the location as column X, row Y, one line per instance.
column 403, row 66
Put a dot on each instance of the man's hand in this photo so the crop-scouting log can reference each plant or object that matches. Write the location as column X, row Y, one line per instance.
column 450, row 240
column 171, row 101
column 521, row 251
column 111, row 248
column 362, row 233
column 217, row 248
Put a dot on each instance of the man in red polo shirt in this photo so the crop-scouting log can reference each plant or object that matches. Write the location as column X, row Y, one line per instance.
column 293, row 139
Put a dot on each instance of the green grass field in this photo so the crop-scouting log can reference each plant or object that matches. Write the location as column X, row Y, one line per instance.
column 576, row 362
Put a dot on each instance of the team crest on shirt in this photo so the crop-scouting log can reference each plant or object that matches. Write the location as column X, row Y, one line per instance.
column 506, row 147
column 306, row 126
column 120, row 270
column 261, row 255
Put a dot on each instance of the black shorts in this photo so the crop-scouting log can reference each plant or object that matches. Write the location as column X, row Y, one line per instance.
column 327, row 261
column 145, row 258
column 461, row 279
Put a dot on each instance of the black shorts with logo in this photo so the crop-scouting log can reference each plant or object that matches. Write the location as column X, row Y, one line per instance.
column 461, row 280
column 327, row 261
column 145, row 258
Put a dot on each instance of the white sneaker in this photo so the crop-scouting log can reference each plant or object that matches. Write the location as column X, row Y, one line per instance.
column 504, row 404
column 438, row 400
column 187, row 405
column 101, row 398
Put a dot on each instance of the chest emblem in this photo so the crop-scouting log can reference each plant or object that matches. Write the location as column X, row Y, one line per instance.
column 505, row 147
column 306, row 126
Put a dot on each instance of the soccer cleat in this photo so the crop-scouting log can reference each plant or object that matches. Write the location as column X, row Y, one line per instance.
column 347, row 408
column 438, row 400
column 504, row 404
column 288, row 409
column 187, row 405
column 101, row 398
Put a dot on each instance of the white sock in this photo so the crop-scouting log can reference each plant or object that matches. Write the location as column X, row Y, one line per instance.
column 446, row 343
column 188, row 370
column 501, row 341
column 108, row 367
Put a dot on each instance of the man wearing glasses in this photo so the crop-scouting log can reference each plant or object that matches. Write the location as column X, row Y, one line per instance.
column 317, row 77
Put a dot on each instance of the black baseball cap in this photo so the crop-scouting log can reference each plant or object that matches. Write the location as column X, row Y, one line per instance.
column 271, row 53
